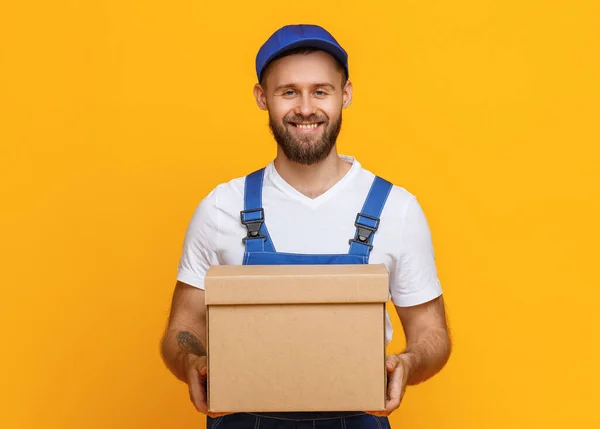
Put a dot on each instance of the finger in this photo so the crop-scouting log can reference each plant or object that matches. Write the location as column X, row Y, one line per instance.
column 391, row 405
column 390, row 363
column 197, row 393
column 394, row 390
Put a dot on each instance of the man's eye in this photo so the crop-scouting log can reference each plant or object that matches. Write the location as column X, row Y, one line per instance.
column 320, row 93
column 289, row 93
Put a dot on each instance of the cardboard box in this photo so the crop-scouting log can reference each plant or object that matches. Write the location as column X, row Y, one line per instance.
column 296, row 338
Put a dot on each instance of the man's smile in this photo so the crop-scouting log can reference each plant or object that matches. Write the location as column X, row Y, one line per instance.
column 306, row 127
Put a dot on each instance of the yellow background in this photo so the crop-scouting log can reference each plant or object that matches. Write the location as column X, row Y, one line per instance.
column 117, row 117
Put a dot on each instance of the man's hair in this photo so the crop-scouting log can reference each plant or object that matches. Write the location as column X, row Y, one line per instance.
column 300, row 51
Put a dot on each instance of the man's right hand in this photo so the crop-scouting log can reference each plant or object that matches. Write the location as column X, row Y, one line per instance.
column 196, row 372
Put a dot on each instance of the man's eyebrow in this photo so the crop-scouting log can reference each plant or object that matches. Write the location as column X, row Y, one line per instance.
column 284, row 85
column 325, row 85
column 293, row 85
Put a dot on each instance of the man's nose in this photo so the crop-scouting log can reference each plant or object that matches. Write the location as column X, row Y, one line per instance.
column 306, row 106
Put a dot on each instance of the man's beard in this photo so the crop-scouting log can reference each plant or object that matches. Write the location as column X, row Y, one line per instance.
column 306, row 150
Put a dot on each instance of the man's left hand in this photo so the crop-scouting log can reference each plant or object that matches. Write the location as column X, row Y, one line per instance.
column 397, row 370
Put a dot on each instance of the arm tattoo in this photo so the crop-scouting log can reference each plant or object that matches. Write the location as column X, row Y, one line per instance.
column 189, row 343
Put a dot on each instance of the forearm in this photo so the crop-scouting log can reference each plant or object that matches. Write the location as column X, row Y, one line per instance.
column 178, row 347
column 426, row 355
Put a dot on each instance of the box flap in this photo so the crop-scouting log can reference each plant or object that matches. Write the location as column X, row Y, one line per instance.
column 296, row 284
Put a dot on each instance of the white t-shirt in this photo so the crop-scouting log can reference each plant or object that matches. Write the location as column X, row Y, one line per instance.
column 323, row 225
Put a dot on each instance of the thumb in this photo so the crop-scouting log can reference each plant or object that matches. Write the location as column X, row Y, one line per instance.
column 203, row 370
column 391, row 362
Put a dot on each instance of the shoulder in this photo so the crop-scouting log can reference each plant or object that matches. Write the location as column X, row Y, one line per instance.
column 230, row 190
column 399, row 208
column 402, row 215
column 399, row 199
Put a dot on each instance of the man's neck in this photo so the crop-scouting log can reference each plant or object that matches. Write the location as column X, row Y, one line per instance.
column 312, row 180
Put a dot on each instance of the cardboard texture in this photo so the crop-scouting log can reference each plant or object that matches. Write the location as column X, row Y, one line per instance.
column 296, row 338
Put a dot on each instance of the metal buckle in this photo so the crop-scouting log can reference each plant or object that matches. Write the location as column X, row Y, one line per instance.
column 364, row 232
column 253, row 225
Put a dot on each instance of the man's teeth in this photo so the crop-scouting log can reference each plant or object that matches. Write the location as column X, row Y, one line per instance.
column 307, row 126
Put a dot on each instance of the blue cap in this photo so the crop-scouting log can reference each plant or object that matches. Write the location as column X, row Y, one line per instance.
column 299, row 36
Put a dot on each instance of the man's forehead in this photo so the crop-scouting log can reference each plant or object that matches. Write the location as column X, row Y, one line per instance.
column 304, row 69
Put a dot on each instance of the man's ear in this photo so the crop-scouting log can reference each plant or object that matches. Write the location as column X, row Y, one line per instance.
column 347, row 97
column 261, row 97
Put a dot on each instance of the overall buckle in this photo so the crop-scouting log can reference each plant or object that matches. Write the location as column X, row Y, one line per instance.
column 364, row 232
column 253, row 225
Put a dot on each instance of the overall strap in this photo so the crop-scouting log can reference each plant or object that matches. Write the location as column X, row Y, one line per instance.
column 367, row 221
column 253, row 215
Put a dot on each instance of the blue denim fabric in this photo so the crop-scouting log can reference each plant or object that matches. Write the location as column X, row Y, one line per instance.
column 259, row 421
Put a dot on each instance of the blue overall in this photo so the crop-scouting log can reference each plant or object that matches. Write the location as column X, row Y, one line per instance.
column 260, row 250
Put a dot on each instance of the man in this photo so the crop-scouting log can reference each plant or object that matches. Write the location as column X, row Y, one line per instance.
column 309, row 197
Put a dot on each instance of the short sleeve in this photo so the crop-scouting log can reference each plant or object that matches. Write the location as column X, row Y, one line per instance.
column 200, row 243
column 413, row 278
